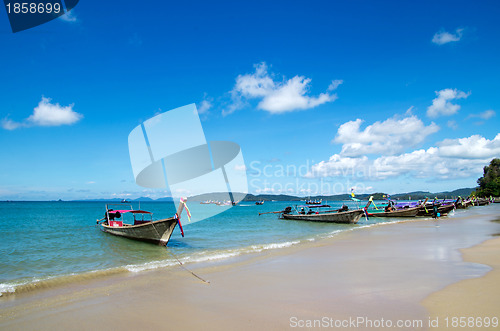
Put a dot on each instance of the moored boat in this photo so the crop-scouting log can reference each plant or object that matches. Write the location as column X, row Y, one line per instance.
column 342, row 215
column 443, row 210
column 404, row 212
column 462, row 203
column 482, row 202
column 392, row 209
column 143, row 228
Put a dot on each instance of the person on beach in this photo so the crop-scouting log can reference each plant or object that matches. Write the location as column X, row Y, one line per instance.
column 390, row 206
column 435, row 206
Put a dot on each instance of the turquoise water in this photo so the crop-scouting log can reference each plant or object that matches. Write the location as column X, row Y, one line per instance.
column 51, row 241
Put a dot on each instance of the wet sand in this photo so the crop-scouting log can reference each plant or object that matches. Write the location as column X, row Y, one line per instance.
column 477, row 298
column 370, row 274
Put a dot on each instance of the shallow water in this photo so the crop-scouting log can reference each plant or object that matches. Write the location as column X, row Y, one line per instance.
column 51, row 241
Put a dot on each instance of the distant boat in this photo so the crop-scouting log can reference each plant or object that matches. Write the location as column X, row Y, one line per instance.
column 310, row 213
column 261, row 202
column 143, row 227
column 224, row 203
column 314, row 202
column 125, row 201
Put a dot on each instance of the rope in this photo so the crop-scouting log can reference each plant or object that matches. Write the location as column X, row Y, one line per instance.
column 183, row 267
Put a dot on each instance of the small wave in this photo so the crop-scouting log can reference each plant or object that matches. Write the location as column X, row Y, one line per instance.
column 260, row 248
column 199, row 257
column 208, row 256
column 150, row 265
column 53, row 281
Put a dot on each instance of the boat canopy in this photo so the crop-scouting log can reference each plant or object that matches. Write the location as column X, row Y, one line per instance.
column 314, row 206
column 129, row 211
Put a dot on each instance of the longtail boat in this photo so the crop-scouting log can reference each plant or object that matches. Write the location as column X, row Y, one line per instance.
column 442, row 209
column 462, row 203
column 314, row 213
column 143, row 228
column 482, row 202
column 408, row 209
column 404, row 212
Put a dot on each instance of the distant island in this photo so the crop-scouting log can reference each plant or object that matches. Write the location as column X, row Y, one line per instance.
column 418, row 195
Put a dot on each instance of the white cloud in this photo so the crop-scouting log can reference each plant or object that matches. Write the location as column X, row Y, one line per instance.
column 444, row 37
column 204, row 106
column 450, row 158
column 276, row 97
column 409, row 111
column 473, row 147
column 240, row 167
column 46, row 114
column 8, row 124
column 391, row 136
column 338, row 166
column 418, row 162
column 444, row 162
column 430, row 163
column 335, row 83
column 267, row 190
column 442, row 104
column 69, row 16
column 452, row 124
column 485, row 115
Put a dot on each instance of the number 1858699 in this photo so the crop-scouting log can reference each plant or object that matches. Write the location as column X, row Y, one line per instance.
column 33, row 8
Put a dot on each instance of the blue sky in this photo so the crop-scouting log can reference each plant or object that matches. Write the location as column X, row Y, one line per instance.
column 324, row 96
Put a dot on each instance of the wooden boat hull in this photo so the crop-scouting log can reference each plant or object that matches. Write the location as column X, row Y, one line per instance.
column 443, row 210
column 346, row 217
column 406, row 212
column 157, row 232
column 463, row 205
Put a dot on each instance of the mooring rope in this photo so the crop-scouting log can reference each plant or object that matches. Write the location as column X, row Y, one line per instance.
column 183, row 267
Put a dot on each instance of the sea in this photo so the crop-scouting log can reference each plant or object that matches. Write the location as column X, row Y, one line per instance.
column 48, row 243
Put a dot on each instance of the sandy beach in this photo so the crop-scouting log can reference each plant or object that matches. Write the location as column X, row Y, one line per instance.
column 409, row 272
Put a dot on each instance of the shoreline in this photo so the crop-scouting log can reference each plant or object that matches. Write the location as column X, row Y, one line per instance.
column 380, row 272
column 476, row 298
column 14, row 289
column 219, row 259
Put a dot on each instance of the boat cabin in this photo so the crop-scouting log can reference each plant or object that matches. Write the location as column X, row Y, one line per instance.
column 313, row 209
column 115, row 218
